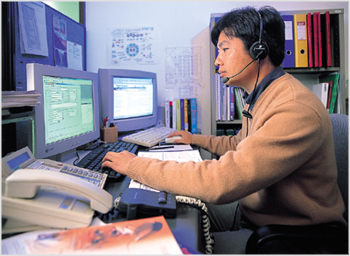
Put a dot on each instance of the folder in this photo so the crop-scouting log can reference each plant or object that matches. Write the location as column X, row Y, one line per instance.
column 309, row 39
column 300, row 40
column 315, row 32
column 319, row 26
column 289, row 59
column 327, row 22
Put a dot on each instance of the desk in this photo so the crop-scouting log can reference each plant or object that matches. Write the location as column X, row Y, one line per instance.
column 186, row 227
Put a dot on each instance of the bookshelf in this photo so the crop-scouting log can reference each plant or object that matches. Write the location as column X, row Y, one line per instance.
column 308, row 76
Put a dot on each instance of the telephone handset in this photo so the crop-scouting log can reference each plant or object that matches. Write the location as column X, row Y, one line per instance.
column 25, row 183
column 40, row 198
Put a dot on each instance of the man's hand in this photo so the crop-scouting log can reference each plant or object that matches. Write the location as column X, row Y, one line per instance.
column 186, row 137
column 118, row 161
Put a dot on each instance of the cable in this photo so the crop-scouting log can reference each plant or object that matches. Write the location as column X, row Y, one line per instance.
column 76, row 160
column 209, row 241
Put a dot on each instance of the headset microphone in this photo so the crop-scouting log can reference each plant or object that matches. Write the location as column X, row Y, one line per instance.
column 224, row 80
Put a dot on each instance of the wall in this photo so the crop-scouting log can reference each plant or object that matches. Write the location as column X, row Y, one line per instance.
column 180, row 24
column 70, row 8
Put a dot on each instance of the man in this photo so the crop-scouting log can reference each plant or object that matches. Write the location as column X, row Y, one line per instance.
column 280, row 168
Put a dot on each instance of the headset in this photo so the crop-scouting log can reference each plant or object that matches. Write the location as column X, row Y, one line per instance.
column 259, row 50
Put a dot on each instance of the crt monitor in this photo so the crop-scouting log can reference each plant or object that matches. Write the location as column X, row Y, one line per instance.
column 128, row 98
column 68, row 114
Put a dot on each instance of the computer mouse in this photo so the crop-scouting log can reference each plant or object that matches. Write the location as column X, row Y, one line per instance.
column 172, row 139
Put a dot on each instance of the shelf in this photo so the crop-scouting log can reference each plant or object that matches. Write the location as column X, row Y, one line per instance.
column 229, row 122
column 311, row 70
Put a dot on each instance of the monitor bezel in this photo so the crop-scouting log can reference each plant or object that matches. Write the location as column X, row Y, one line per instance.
column 132, row 124
column 35, row 73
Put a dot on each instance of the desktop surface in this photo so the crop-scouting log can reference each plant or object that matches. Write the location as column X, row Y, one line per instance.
column 186, row 227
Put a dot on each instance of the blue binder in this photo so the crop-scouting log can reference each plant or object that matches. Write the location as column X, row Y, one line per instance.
column 289, row 59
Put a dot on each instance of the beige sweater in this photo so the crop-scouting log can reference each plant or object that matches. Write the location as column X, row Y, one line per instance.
column 284, row 172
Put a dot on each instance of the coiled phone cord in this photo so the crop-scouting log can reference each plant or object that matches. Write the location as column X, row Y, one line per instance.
column 209, row 241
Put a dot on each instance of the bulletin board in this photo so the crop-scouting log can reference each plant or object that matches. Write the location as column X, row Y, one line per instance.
column 75, row 33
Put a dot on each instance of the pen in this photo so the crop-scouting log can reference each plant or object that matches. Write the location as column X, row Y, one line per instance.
column 157, row 148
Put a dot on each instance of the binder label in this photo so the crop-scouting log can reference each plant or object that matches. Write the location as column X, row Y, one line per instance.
column 301, row 28
column 288, row 30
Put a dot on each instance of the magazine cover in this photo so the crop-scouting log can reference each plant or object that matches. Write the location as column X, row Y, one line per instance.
column 141, row 236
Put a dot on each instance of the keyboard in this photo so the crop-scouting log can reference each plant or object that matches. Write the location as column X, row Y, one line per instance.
column 149, row 137
column 93, row 160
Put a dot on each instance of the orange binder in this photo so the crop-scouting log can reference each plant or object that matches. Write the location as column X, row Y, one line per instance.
column 300, row 35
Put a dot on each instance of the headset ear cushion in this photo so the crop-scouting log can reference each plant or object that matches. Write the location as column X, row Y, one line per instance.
column 259, row 50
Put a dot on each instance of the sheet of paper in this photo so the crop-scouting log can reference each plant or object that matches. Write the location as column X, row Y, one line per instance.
column 74, row 56
column 32, row 23
column 173, row 147
column 179, row 156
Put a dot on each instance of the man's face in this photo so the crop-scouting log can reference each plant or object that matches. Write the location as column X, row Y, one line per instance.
column 232, row 58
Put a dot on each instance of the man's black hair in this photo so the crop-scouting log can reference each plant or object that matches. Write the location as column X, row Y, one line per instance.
column 244, row 24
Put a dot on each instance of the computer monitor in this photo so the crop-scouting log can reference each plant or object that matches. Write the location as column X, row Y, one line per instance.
column 68, row 114
column 128, row 98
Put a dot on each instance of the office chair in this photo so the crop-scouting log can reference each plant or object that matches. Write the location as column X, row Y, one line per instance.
column 326, row 238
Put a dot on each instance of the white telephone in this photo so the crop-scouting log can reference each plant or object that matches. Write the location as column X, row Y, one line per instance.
column 39, row 198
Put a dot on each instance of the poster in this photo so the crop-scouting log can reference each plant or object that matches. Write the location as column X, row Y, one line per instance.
column 132, row 46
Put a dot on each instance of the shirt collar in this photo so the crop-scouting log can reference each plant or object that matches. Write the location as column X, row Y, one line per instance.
column 276, row 73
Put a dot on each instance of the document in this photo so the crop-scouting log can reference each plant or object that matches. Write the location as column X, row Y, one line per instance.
column 179, row 156
column 32, row 23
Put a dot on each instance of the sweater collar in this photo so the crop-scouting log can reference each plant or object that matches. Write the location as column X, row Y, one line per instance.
column 276, row 73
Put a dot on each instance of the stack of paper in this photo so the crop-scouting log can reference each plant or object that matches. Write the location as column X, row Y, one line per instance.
column 19, row 98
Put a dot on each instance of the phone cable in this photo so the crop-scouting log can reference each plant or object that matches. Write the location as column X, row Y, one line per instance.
column 209, row 240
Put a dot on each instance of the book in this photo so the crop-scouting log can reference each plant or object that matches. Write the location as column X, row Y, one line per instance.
column 194, row 128
column 300, row 41
column 167, row 114
column 335, row 78
column 232, row 103
column 182, row 115
column 321, row 91
column 178, row 115
column 239, row 102
column 330, row 89
column 171, row 114
column 141, row 236
column 174, row 114
column 189, row 115
column 185, row 114
column 218, row 93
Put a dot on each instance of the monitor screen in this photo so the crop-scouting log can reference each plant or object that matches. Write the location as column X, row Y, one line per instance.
column 128, row 98
column 68, row 114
